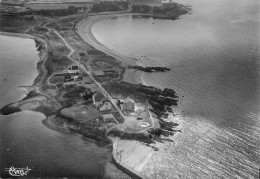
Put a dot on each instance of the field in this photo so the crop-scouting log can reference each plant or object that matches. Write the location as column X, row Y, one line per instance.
column 46, row 6
column 15, row 24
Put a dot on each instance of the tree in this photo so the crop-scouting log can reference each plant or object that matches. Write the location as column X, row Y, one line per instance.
column 72, row 9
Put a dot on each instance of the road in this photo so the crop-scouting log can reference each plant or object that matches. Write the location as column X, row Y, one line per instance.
column 105, row 93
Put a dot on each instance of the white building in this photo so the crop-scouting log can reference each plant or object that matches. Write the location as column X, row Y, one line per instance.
column 73, row 69
column 99, row 73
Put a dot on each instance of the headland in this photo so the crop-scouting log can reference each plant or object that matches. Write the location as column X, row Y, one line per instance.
column 83, row 87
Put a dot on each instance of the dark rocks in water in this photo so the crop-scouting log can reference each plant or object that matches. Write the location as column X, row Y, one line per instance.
column 167, row 126
column 160, row 100
column 6, row 110
column 150, row 69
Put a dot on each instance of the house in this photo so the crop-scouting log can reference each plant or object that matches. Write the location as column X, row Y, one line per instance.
column 73, row 69
column 166, row 2
column 105, row 106
column 129, row 105
column 99, row 73
column 68, row 77
column 108, row 118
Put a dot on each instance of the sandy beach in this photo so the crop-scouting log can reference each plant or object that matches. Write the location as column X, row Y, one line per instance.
column 84, row 29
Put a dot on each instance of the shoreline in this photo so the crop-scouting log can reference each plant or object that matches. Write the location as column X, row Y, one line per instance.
column 84, row 29
column 42, row 56
column 133, row 77
column 37, row 81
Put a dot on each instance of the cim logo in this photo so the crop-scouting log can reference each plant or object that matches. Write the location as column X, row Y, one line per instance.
column 17, row 171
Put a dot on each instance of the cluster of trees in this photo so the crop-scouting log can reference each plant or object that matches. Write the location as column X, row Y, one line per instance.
column 169, row 8
column 172, row 10
column 141, row 8
column 53, row 12
column 110, row 6
column 6, row 110
column 58, row 12
column 150, row 69
column 142, row 137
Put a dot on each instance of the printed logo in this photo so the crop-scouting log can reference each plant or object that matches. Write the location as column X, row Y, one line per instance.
column 17, row 171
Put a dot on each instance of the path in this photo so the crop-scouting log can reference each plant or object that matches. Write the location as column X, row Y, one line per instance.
column 105, row 93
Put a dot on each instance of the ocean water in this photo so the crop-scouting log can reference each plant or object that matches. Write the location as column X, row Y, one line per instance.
column 214, row 57
column 18, row 60
column 24, row 140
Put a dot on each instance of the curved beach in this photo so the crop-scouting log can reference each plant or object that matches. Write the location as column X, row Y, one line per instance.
column 84, row 29
column 213, row 73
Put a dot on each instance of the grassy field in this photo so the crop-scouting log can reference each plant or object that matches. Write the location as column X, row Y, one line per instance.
column 15, row 24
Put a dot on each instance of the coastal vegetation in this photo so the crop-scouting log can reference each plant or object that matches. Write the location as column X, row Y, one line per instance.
column 169, row 11
column 106, row 6
column 160, row 100
column 52, row 12
column 15, row 24
column 150, row 69
column 6, row 110
column 52, row 98
column 166, row 11
column 70, row 108
column 141, row 8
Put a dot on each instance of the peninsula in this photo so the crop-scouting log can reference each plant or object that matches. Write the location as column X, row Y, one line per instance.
column 81, row 89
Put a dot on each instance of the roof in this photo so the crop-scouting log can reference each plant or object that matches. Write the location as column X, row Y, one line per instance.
column 128, row 99
column 74, row 68
column 99, row 73
column 107, row 116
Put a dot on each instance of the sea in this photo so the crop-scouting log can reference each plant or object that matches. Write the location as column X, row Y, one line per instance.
column 213, row 53
column 24, row 140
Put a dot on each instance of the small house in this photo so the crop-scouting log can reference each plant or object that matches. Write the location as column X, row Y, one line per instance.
column 99, row 73
column 108, row 118
column 67, row 77
column 73, row 69
column 129, row 105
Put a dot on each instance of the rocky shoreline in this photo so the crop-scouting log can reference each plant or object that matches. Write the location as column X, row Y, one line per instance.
column 41, row 99
column 150, row 69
